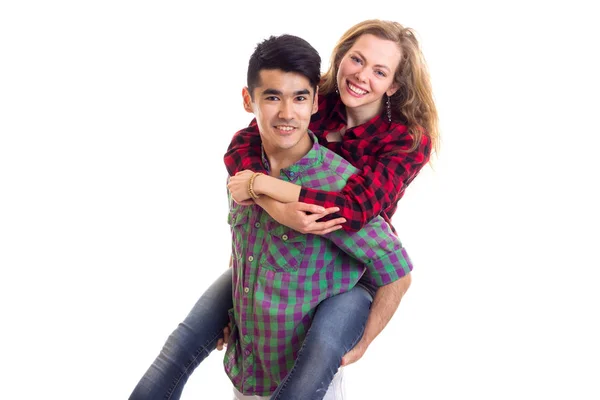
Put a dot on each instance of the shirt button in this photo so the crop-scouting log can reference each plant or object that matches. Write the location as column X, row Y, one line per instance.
column 250, row 258
column 246, row 290
column 292, row 173
column 285, row 237
column 247, row 352
column 257, row 225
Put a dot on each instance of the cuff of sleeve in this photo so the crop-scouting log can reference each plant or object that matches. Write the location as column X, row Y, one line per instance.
column 389, row 268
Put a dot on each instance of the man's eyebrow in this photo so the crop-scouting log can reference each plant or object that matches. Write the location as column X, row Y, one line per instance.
column 272, row 92
column 377, row 65
column 275, row 92
column 303, row 91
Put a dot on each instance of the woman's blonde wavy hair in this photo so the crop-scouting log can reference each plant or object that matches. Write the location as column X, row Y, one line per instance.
column 413, row 101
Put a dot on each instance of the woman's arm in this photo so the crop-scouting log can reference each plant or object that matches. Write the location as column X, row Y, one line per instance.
column 383, row 177
column 244, row 151
column 381, row 181
column 301, row 217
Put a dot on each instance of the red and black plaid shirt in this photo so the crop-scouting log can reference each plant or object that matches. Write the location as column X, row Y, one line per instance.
column 372, row 147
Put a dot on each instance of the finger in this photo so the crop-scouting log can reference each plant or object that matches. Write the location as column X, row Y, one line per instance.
column 331, row 210
column 326, row 231
column 220, row 344
column 325, row 224
column 312, row 208
column 226, row 333
column 346, row 360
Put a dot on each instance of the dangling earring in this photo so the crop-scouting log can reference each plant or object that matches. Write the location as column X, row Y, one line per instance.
column 389, row 109
column 337, row 91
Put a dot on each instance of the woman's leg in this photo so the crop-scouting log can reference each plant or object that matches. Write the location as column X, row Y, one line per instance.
column 337, row 326
column 188, row 345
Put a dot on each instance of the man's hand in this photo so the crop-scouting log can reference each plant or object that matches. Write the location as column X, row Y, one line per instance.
column 355, row 354
column 238, row 186
column 304, row 218
column 221, row 343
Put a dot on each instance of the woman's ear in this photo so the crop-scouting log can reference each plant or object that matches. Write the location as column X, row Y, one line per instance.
column 392, row 89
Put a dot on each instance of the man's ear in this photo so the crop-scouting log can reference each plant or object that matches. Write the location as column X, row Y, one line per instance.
column 247, row 100
column 316, row 101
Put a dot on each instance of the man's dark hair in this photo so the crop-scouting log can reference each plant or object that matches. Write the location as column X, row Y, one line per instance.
column 288, row 53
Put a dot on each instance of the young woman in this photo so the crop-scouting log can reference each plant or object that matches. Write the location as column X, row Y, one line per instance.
column 376, row 109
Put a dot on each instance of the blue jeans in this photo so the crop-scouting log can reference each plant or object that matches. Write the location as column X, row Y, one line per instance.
column 337, row 326
column 193, row 340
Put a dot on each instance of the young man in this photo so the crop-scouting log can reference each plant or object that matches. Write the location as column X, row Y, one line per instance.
column 280, row 276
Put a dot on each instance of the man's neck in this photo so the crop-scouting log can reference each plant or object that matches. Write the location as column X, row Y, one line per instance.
column 283, row 158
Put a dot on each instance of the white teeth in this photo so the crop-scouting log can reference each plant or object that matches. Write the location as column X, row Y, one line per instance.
column 355, row 89
column 285, row 128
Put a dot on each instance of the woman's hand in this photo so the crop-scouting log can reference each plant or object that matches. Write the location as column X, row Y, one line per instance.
column 238, row 186
column 304, row 217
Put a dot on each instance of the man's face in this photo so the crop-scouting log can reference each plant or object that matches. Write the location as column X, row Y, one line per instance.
column 282, row 105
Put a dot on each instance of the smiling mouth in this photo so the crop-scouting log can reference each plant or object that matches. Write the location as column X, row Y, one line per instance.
column 285, row 128
column 355, row 89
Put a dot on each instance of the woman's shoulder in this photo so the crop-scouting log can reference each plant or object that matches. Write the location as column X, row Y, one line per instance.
column 398, row 141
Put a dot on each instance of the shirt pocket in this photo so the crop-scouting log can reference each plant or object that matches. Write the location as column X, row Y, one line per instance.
column 284, row 248
column 238, row 221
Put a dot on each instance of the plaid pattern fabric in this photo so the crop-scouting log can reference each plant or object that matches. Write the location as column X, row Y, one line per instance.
column 280, row 275
column 373, row 147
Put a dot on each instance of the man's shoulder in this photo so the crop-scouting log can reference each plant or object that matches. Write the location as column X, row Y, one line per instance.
column 336, row 164
column 327, row 172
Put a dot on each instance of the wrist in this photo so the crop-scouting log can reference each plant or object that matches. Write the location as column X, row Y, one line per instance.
column 251, row 191
column 258, row 185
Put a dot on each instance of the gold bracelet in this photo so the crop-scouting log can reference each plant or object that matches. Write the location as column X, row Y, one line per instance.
column 251, row 186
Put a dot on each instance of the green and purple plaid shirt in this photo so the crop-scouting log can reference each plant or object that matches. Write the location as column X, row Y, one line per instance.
column 280, row 275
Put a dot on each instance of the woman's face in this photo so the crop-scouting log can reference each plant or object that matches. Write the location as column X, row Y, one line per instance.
column 366, row 73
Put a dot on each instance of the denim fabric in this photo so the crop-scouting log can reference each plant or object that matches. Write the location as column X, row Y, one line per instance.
column 193, row 340
column 337, row 326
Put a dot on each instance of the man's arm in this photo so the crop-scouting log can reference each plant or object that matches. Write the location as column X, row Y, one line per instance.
column 386, row 302
column 388, row 267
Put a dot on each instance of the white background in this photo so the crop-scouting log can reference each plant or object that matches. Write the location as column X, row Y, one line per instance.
column 114, row 117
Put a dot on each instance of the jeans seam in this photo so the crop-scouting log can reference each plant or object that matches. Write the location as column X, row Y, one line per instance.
column 191, row 362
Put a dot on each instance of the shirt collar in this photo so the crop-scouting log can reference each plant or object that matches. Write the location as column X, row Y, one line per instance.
column 378, row 123
column 311, row 159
